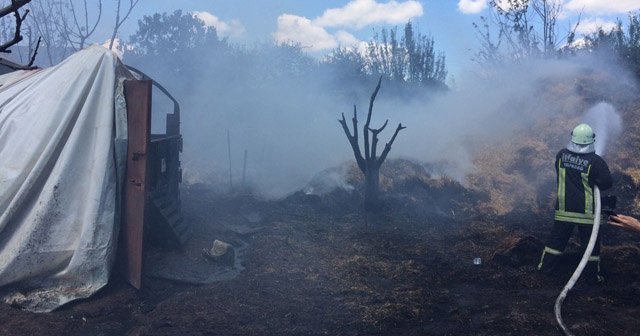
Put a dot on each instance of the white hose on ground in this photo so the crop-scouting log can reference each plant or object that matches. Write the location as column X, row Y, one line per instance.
column 581, row 265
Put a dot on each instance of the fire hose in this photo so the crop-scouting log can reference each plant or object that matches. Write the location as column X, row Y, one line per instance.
column 583, row 262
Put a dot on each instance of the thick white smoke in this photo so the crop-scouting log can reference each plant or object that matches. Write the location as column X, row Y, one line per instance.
column 495, row 108
column 291, row 133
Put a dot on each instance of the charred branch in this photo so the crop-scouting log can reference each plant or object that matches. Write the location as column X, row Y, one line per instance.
column 387, row 147
column 354, row 120
column 35, row 52
column 14, row 7
column 353, row 139
column 365, row 131
column 374, row 139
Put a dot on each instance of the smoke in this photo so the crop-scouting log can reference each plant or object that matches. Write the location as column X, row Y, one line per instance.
column 288, row 124
column 496, row 108
column 606, row 124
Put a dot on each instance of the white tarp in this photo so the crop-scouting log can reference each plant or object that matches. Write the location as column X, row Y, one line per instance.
column 62, row 150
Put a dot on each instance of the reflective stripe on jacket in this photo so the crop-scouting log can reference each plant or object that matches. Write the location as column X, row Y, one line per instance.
column 577, row 174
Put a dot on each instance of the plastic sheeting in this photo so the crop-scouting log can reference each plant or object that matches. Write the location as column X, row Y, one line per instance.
column 62, row 154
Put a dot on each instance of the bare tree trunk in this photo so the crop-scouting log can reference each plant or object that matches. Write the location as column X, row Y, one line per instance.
column 369, row 164
column 372, row 189
column 230, row 170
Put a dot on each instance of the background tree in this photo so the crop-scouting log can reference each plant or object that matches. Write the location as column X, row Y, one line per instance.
column 347, row 62
column 270, row 62
column 66, row 25
column 489, row 52
column 163, row 34
column 523, row 28
column 175, row 49
column 76, row 23
column 345, row 73
column 62, row 25
column 370, row 163
column 410, row 58
column 548, row 11
column 407, row 58
column 514, row 24
column 49, row 27
column 120, row 20
column 625, row 45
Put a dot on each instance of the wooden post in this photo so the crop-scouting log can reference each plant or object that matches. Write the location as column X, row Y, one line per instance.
column 138, row 98
column 244, row 170
column 229, row 150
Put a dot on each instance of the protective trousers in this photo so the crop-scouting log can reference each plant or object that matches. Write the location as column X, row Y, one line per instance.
column 557, row 243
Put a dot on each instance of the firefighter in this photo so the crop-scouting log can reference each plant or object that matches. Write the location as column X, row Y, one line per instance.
column 578, row 170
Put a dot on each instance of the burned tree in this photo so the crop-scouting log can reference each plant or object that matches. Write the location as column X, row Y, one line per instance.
column 370, row 163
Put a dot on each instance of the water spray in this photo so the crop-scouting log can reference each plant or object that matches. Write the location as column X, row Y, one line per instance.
column 606, row 123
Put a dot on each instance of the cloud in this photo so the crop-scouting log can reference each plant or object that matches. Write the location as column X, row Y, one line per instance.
column 504, row 5
column 224, row 29
column 472, row 6
column 603, row 6
column 361, row 13
column 346, row 39
column 589, row 26
column 299, row 29
column 356, row 14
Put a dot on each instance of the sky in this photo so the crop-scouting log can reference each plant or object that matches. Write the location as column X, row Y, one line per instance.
column 320, row 26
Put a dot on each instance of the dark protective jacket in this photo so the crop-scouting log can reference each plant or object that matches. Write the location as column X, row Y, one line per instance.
column 577, row 175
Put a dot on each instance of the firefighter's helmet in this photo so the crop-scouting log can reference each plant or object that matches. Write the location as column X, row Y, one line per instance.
column 583, row 135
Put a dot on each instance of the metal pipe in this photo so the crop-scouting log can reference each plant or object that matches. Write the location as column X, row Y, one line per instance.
column 176, row 105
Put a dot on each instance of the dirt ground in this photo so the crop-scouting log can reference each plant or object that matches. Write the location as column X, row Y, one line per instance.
column 317, row 266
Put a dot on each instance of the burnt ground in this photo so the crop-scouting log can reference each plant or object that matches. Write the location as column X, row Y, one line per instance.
column 314, row 266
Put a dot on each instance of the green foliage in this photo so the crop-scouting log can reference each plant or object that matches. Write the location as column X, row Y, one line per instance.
column 518, row 38
column 525, row 29
column 278, row 61
column 181, row 52
column 186, row 42
column 629, row 44
column 625, row 45
column 347, row 62
column 175, row 49
column 410, row 58
column 516, row 27
column 163, row 34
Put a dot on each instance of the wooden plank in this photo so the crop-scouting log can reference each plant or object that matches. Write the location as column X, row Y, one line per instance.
column 138, row 98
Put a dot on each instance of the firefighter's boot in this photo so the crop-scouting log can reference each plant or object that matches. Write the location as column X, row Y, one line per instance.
column 549, row 260
column 592, row 271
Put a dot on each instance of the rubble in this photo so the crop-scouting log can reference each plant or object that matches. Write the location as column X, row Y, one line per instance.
column 220, row 252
